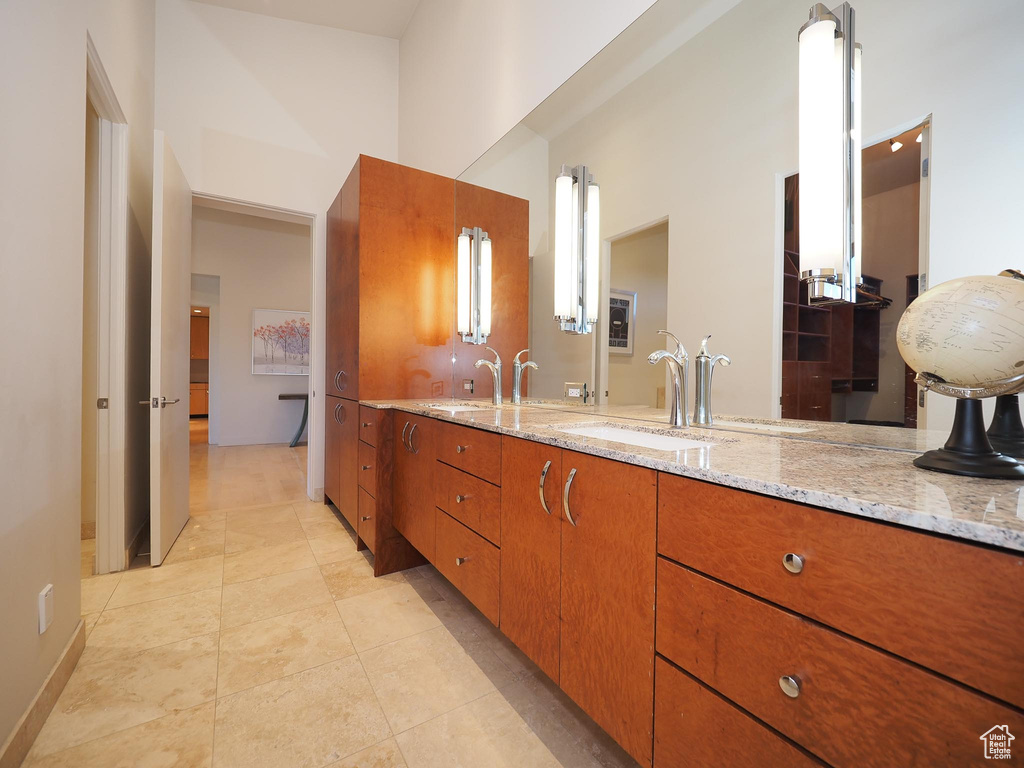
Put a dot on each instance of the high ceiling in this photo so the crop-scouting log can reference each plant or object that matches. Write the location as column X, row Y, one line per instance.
column 386, row 18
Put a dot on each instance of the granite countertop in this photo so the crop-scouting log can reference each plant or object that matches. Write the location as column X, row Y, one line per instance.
column 840, row 469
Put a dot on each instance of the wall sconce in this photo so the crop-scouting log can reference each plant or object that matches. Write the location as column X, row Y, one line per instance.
column 577, row 249
column 830, row 156
column 474, row 317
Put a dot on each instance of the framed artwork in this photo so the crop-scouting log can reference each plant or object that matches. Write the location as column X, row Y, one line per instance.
column 621, row 321
column 280, row 342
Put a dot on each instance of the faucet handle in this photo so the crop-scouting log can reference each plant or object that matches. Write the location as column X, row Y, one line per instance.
column 516, row 360
column 723, row 359
column 497, row 357
column 680, row 349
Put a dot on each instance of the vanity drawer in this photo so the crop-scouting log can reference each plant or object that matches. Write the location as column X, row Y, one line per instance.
column 367, row 527
column 473, row 502
column 470, row 563
column 855, row 706
column 953, row 607
column 368, row 468
column 693, row 726
column 471, row 450
column 369, row 418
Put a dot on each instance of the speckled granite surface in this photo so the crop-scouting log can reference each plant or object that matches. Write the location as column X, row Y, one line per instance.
column 840, row 474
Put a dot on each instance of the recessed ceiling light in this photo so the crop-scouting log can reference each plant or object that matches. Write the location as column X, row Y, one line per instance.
column 895, row 145
column 198, row 311
column 919, row 137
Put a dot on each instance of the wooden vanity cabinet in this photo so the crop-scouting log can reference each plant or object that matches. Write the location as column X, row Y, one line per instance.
column 531, row 549
column 415, row 458
column 591, row 562
column 341, row 450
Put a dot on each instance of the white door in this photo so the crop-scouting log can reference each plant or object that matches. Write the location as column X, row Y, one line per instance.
column 169, row 363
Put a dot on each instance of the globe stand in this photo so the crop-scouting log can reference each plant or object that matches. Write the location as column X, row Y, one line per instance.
column 968, row 451
column 1006, row 433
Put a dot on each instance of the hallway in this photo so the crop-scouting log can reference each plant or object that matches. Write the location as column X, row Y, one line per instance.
column 264, row 640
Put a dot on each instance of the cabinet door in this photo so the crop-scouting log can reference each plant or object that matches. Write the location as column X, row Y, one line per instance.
column 608, row 570
column 342, row 337
column 415, row 459
column 346, row 415
column 332, row 451
column 531, row 554
column 196, row 404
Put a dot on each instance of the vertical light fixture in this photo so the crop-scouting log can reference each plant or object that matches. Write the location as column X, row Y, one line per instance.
column 474, row 274
column 830, row 155
column 577, row 250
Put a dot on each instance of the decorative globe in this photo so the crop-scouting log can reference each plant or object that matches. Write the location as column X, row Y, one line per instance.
column 968, row 331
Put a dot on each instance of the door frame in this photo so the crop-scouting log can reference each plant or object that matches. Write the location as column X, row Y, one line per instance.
column 317, row 305
column 112, row 302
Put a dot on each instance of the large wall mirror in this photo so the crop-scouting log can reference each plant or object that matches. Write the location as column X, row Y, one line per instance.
column 688, row 121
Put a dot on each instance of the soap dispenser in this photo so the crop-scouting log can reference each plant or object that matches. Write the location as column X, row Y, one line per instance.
column 705, row 368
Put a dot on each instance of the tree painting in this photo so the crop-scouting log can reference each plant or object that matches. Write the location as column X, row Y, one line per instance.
column 280, row 342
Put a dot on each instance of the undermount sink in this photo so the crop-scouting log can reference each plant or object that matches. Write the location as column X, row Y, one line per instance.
column 761, row 427
column 637, row 438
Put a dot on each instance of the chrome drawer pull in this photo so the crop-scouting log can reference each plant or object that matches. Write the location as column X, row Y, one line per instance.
column 460, row 498
column 543, row 479
column 792, row 563
column 461, row 560
column 565, row 497
column 365, row 518
column 404, row 430
column 365, row 467
column 790, row 685
column 339, row 413
column 412, row 432
column 461, row 448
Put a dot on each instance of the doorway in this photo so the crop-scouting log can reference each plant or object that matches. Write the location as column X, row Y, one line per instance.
column 841, row 363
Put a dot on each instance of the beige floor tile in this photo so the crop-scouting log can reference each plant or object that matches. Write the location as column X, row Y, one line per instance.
column 270, row 596
column 182, row 740
column 256, row 516
column 354, row 576
column 312, row 510
column 203, row 536
column 266, row 561
column 423, row 676
column 257, row 535
column 113, row 695
column 145, row 584
column 308, row 719
column 88, row 558
column 90, row 622
column 388, row 614
column 334, row 547
column 134, row 628
column 383, row 755
column 486, row 731
column 322, row 526
column 266, row 650
column 96, row 591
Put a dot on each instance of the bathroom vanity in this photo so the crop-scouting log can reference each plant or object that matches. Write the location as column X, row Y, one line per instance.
column 749, row 597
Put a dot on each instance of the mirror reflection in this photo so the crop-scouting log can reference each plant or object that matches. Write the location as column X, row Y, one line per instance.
column 693, row 137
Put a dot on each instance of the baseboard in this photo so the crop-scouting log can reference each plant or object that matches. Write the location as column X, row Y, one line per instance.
column 133, row 548
column 88, row 530
column 318, row 494
column 15, row 749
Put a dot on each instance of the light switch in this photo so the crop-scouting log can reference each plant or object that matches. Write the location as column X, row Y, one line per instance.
column 45, row 608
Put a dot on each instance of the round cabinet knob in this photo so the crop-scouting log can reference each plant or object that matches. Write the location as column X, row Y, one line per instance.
column 459, row 499
column 792, row 563
column 366, row 424
column 364, row 518
column 790, row 685
column 460, row 560
column 365, row 467
column 461, row 448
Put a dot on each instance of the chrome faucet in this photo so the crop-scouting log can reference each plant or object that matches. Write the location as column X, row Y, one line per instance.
column 705, row 368
column 517, row 375
column 679, row 365
column 495, row 369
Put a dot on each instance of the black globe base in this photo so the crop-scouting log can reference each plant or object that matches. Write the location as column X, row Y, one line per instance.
column 1006, row 432
column 968, row 451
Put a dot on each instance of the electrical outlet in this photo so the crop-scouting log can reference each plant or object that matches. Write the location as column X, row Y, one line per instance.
column 45, row 608
column 467, row 386
column 575, row 390
column 437, row 389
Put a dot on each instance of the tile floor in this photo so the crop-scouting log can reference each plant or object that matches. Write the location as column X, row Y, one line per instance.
column 264, row 640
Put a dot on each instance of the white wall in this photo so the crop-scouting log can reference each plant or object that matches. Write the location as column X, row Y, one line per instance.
column 275, row 112
column 261, row 264
column 702, row 137
column 639, row 263
column 472, row 70
column 42, row 163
